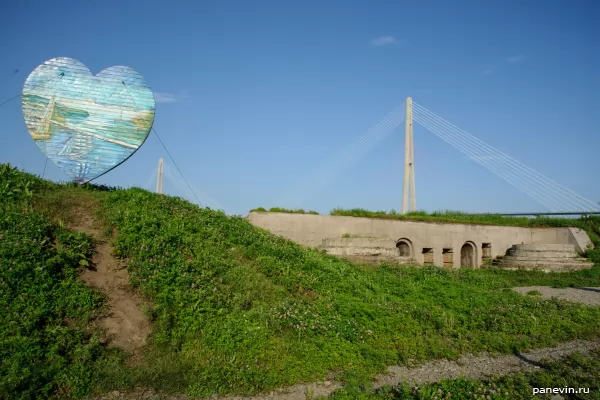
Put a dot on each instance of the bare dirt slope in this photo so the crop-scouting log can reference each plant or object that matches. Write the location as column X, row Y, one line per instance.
column 126, row 324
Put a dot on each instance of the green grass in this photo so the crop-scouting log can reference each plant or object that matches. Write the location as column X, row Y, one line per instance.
column 353, row 236
column 480, row 219
column 44, row 309
column 267, row 312
column 284, row 210
column 238, row 310
column 589, row 223
column 577, row 371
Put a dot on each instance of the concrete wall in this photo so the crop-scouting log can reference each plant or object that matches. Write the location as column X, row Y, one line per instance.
column 580, row 239
column 378, row 237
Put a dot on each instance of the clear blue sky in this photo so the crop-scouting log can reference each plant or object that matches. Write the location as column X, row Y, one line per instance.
column 253, row 96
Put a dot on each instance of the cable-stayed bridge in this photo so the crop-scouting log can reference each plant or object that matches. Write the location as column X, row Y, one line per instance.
column 552, row 196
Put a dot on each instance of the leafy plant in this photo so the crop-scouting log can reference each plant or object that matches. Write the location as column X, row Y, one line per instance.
column 44, row 309
column 252, row 303
column 237, row 310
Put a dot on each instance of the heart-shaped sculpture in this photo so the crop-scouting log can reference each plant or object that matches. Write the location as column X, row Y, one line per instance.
column 87, row 125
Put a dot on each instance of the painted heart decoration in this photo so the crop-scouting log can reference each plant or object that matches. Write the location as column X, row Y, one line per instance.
column 87, row 125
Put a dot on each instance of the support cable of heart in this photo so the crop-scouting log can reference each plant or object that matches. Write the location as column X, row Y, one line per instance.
column 45, row 164
column 39, row 84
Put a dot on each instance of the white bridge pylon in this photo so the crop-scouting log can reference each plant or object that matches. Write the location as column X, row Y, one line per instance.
column 203, row 201
column 408, row 188
column 159, row 176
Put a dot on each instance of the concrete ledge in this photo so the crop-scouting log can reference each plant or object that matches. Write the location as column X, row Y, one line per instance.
column 406, row 261
column 546, row 268
column 360, row 251
column 358, row 242
column 545, row 247
column 542, row 258
column 530, row 261
column 550, row 266
column 542, row 254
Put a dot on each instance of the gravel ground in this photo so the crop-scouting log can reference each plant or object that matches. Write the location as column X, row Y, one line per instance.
column 482, row 366
column 585, row 295
column 468, row 366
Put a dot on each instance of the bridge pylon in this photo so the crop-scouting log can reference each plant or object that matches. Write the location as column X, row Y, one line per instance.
column 159, row 176
column 409, row 163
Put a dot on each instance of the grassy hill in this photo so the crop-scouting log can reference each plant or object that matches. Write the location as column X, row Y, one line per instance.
column 235, row 309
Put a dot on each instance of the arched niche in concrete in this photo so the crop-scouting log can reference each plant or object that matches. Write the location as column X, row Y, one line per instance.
column 405, row 247
column 468, row 255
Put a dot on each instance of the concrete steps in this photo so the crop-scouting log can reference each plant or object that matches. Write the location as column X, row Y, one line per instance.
column 542, row 257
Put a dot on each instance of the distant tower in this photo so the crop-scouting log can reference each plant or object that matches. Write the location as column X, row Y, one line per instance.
column 159, row 177
column 409, row 162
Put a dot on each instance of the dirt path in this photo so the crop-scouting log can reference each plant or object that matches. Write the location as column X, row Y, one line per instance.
column 126, row 324
column 468, row 366
column 585, row 295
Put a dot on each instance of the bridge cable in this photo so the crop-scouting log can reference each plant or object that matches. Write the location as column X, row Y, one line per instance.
column 467, row 149
column 152, row 179
column 348, row 155
column 481, row 160
column 516, row 165
column 512, row 163
column 357, row 149
column 489, row 162
column 175, row 164
column 499, row 170
column 502, row 174
column 360, row 147
column 365, row 145
column 575, row 197
column 375, row 133
column 175, row 180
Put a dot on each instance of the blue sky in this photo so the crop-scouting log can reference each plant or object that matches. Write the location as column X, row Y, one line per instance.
column 253, row 97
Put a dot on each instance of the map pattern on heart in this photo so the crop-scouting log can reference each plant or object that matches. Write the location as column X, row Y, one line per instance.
column 85, row 124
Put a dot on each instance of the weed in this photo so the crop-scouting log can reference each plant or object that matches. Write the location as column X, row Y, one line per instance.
column 237, row 310
column 285, row 210
column 231, row 300
column 45, row 346
column 309, row 394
